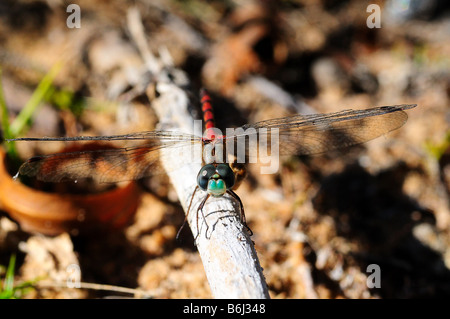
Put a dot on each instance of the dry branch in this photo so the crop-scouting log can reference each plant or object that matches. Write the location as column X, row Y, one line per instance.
column 227, row 252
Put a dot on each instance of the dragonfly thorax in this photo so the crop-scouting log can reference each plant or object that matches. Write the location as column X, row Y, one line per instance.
column 214, row 149
column 216, row 179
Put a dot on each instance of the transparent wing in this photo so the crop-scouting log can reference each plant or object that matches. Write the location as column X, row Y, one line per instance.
column 106, row 164
column 318, row 133
column 301, row 134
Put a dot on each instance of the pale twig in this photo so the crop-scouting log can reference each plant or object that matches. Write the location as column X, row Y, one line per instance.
column 137, row 293
column 227, row 252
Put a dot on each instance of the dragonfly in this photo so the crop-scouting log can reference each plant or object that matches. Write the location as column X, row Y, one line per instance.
column 298, row 134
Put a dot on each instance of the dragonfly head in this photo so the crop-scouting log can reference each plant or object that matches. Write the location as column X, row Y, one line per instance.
column 216, row 179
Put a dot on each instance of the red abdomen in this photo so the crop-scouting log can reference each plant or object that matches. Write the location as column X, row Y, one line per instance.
column 208, row 115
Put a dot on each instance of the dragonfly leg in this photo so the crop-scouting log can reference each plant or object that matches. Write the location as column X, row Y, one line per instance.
column 241, row 211
column 200, row 209
column 187, row 213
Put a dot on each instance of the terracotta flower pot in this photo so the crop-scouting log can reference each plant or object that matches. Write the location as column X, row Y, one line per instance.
column 54, row 213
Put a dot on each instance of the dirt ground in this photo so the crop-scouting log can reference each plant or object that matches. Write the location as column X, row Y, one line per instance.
column 321, row 221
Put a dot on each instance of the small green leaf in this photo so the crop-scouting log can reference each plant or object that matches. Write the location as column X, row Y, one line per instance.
column 27, row 112
column 437, row 150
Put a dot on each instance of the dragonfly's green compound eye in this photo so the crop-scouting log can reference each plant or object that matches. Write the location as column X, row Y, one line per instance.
column 216, row 187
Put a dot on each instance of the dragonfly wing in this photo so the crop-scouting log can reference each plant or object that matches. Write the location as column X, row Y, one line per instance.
column 156, row 137
column 318, row 133
column 106, row 164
